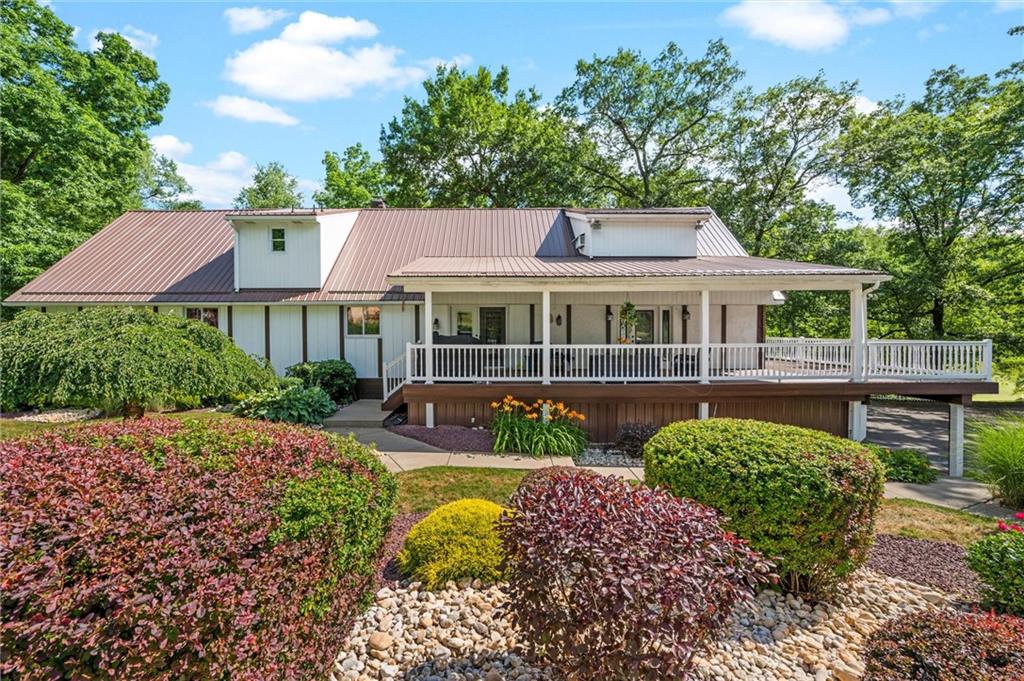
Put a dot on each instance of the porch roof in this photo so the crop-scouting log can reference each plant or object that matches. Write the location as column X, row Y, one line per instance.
column 702, row 266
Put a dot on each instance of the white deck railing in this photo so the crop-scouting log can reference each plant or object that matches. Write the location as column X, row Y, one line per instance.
column 395, row 375
column 775, row 359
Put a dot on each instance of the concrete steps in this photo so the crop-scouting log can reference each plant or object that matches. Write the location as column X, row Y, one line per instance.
column 359, row 414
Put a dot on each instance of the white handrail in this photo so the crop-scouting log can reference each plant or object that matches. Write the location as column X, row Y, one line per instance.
column 394, row 375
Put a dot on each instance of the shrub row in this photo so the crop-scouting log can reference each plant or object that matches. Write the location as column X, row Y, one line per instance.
column 802, row 497
column 903, row 465
column 291, row 403
column 121, row 360
column 162, row 549
column 336, row 377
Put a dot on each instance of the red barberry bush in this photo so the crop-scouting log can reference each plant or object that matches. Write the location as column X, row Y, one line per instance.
column 166, row 549
column 612, row 581
column 946, row 646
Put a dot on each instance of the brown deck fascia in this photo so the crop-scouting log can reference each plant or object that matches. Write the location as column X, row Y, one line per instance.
column 958, row 392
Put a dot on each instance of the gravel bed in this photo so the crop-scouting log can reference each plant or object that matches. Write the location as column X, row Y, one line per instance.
column 451, row 438
column 462, row 633
column 387, row 573
column 599, row 456
column 59, row 415
column 931, row 563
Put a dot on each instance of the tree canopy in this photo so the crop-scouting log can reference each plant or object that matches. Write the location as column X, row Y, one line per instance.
column 474, row 143
column 351, row 180
column 272, row 187
column 74, row 123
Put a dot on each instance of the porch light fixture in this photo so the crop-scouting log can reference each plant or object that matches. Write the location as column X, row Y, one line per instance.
column 436, row 324
column 609, row 317
column 686, row 313
column 558, row 320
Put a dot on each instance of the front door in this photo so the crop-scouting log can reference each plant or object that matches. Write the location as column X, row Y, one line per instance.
column 645, row 326
column 492, row 325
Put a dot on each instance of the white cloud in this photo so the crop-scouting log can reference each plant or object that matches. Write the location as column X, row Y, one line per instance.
column 249, row 19
column 142, row 41
column 863, row 105
column 170, row 146
column 811, row 25
column 250, row 110
column 302, row 65
column 320, row 29
column 862, row 16
column 912, row 9
column 1009, row 5
column 838, row 196
column 215, row 183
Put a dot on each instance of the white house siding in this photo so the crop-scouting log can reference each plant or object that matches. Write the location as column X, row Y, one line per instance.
column 588, row 324
column 361, row 353
column 285, row 336
column 518, row 331
column 248, row 328
column 322, row 332
column 398, row 327
column 296, row 267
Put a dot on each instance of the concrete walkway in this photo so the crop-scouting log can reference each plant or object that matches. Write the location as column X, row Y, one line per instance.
column 961, row 494
column 359, row 414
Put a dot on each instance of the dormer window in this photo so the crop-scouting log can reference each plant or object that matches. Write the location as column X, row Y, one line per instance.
column 277, row 239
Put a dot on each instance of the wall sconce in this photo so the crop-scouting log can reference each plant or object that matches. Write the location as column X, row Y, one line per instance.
column 437, row 324
column 686, row 313
column 558, row 320
column 609, row 317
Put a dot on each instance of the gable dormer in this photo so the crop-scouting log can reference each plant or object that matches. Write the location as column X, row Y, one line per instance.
column 670, row 233
column 282, row 249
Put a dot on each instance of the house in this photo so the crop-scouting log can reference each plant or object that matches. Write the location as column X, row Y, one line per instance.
column 628, row 314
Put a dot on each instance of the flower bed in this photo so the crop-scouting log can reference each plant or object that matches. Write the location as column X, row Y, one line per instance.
column 164, row 549
column 543, row 428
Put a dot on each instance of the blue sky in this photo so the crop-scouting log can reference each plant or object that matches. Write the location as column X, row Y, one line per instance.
column 287, row 81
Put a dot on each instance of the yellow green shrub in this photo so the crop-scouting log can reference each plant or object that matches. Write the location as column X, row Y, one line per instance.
column 456, row 541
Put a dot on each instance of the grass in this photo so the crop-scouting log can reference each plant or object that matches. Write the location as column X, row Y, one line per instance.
column 427, row 488
column 920, row 520
column 1008, row 392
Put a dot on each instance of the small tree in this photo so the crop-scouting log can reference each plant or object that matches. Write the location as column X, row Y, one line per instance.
column 272, row 187
column 122, row 360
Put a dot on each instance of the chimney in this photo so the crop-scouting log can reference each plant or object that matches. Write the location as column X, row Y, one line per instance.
column 378, row 202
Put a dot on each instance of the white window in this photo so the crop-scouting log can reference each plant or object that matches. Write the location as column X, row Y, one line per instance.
column 363, row 321
column 207, row 315
column 277, row 239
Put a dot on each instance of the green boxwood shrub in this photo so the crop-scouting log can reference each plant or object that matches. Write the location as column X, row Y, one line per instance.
column 121, row 360
column 904, row 465
column 998, row 559
column 802, row 497
column 336, row 377
column 456, row 541
column 294, row 404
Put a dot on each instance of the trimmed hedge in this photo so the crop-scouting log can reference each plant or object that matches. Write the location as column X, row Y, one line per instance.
column 608, row 580
column 122, row 360
column 456, row 541
column 336, row 377
column 167, row 549
column 946, row 646
column 802, row 497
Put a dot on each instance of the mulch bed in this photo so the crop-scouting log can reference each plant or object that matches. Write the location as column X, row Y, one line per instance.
column 451, row 438
column 387, row 573
column 931, row 563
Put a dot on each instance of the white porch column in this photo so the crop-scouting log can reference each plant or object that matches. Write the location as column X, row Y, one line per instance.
column 428, row 349
column 705, row 336
column 956, row 440
column 858, row 333
column 545, row 325
column 703, row 411
column 858, row 429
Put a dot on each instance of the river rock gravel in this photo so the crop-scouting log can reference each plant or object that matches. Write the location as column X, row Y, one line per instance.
column 460, row 633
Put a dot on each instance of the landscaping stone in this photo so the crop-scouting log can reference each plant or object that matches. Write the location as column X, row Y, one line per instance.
column 936, row 564
column 59, row 415
column 462, row 633
column 606, row 457
column 450, row 438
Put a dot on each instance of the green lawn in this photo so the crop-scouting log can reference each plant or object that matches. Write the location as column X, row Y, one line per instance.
column 428, row 488
column 920, row 520
column 1007, row 392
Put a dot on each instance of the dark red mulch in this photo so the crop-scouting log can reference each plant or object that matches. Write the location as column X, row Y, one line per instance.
column 387, row 568
column 936, row 564
column 452, row 438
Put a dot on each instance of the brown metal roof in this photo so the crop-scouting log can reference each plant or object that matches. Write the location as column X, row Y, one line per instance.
column 187, row 256
column 616, row 267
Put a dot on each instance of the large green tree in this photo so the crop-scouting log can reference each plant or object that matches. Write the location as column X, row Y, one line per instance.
column 272, row 187
column 656, row 124
column 472, row 142
column 162, row 187
column 74, row 126
column 945, row 174
column 351, row 180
